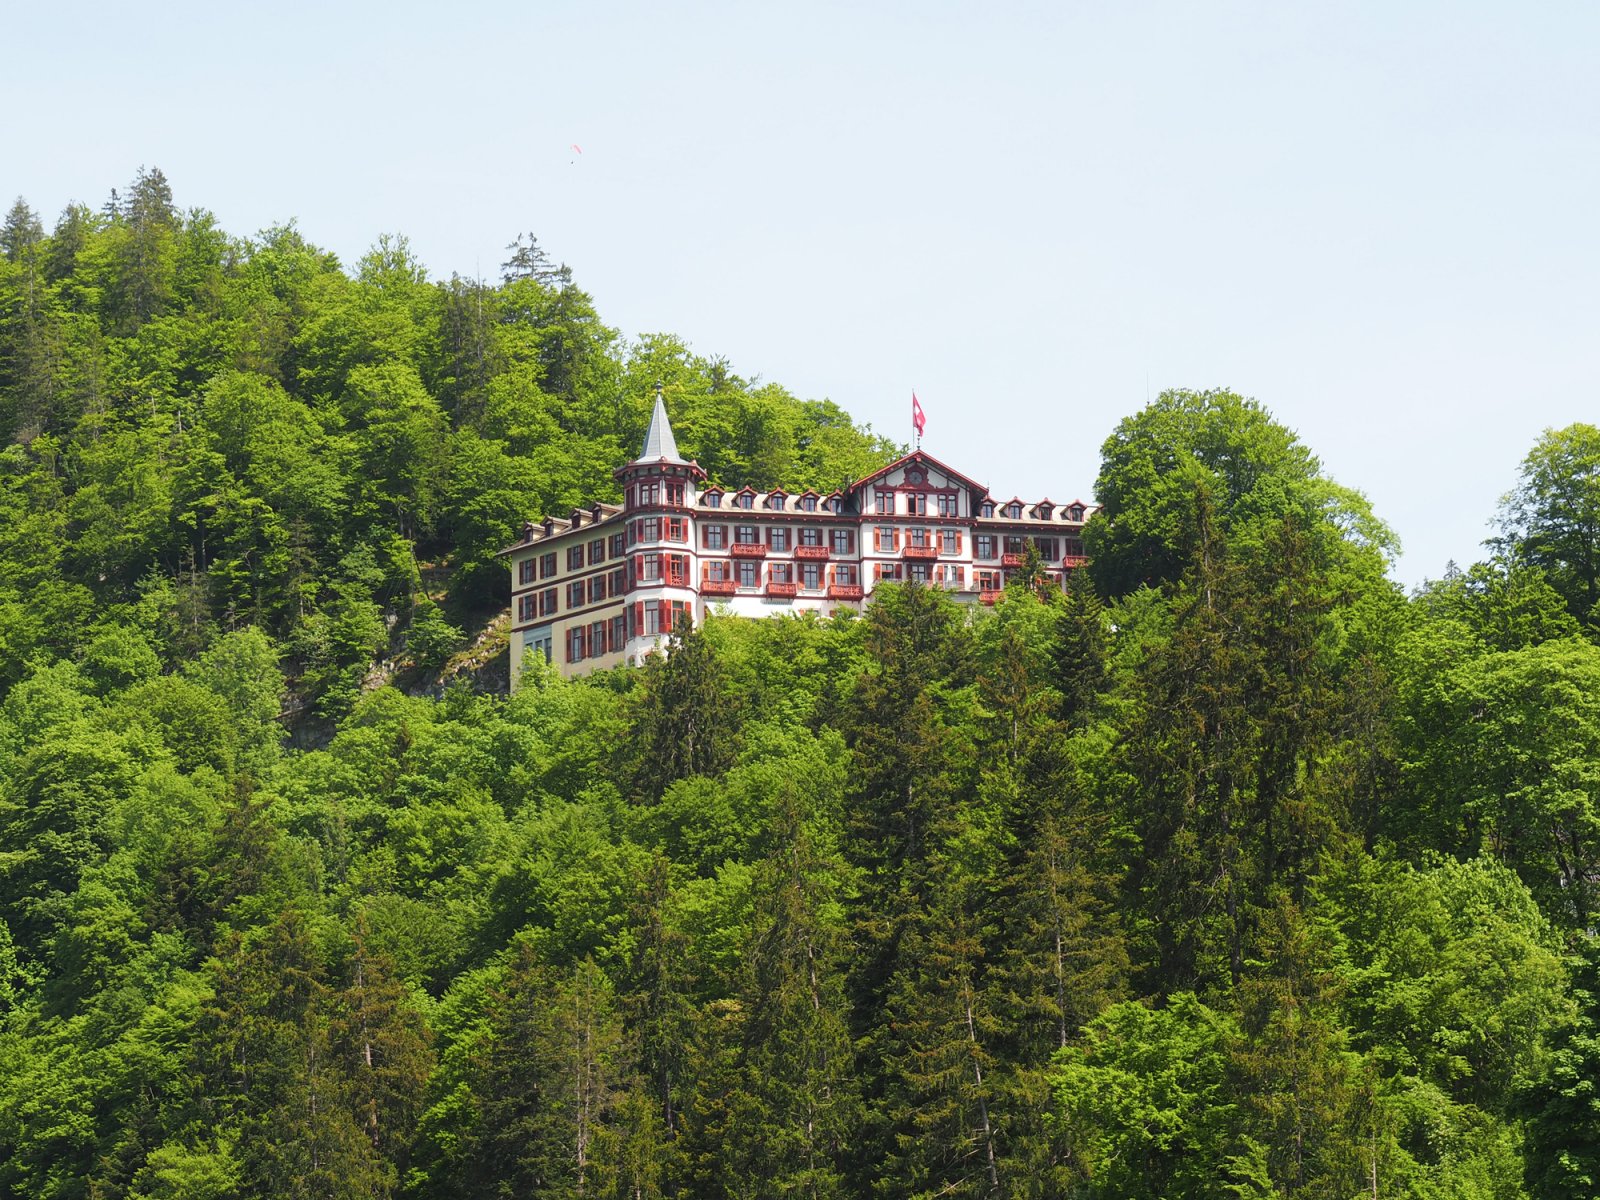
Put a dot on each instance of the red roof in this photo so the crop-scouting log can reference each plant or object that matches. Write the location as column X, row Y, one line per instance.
column 921, row 456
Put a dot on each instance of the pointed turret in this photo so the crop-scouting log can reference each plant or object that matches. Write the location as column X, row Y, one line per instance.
column 659, row 444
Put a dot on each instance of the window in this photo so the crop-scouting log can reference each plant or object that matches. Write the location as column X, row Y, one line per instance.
column 649, row 493
column 1074, row 547
column 597, row 639
column 1047, row 548
column 778, row 539
column 1075, row 513
column 597, row 551
column 948, row 506
column 547, row 565
column 808, row 504
column 988, row 581
column 677, row 529
column 1043, row 512
column 574, row 558
column 917, row 504
column 920, row 538
column 951, row 576
column 677, row 569
column 575, row 594
column 575, row 641
column 782, row 572
column 917, row 572
column 885, row 538
column 525, row 571
column 649, row 568
column 883, row 500
column 1015, row 545
column 1013, row 510
column 949, row 541
column 749, row 573
column 746, row 535
column 652, row 619
column 811, row 576
column 831, row 504
column 675, row 493
column 650, row 529
column 714, row 537
column 842, row 541
column 889, row 572
column 845, row 573
column 619, row 545
column 718, row 570
column 744, row 500
column 547, row 602
column 713, row 499
column 619, row 633
column 986, row 509
column 539, row 644
column 984, row 545
column 619, row 582
column 525, row 607
column 775, row 501
column 810, row 535
column 597, row 588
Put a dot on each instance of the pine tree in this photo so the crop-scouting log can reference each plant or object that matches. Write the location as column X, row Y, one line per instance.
column 686, row 720
column 796, row 1110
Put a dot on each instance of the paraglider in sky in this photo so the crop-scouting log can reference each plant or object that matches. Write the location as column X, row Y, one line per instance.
column 576, row 149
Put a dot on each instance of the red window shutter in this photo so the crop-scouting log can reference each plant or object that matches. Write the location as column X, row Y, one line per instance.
column 664, row 615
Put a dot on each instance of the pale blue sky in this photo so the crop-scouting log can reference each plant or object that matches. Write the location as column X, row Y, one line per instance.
column 1377, row 219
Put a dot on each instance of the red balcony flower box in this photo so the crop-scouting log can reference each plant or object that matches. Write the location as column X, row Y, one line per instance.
column 747, row 550
column 816, row 552
column 844, row 591
column 782, row 591
column 922, row 552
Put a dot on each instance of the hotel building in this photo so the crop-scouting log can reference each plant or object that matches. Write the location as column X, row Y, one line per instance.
column 605, row 584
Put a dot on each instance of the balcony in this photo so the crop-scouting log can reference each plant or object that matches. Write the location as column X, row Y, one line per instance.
column 718, row 587
column 1072, row 561
column 747, row 550
column 922, row 552
column 782, row 591
column 988, row 596
column 1012, row 560
column 820, row 553
column 844, row 591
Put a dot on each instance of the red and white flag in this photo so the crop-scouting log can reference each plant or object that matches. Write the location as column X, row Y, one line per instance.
column 918, row 418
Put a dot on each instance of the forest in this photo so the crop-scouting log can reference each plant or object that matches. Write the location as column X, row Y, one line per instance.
column 1230, row 870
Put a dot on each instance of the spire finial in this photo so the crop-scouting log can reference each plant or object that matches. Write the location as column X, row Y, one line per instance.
column 658, row 440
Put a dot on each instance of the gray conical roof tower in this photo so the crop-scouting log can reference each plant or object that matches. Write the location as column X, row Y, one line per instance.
column 659, row 444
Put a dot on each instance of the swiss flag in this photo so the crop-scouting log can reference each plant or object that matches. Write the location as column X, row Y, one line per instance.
column 919, row 419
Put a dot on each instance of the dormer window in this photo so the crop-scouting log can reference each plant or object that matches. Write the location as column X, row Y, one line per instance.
column 713, row 499
column 1075, row 512
column 744, row 500
column 831, row 504
column 775, row 501
column 808, row 504
column 1014, row 510
column 986, row 509
column 1043, row 511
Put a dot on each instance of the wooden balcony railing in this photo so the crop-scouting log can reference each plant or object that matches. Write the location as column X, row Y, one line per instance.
column 844, row 591
column 922, row 552
column 812, row 552
column 718, row 587
column 988, row 597
column 1074, row 560
column 1013, row 560
column 747, row 550
column 782, row 591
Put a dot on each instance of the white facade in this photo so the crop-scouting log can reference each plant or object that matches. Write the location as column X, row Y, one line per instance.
column 605, row 585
